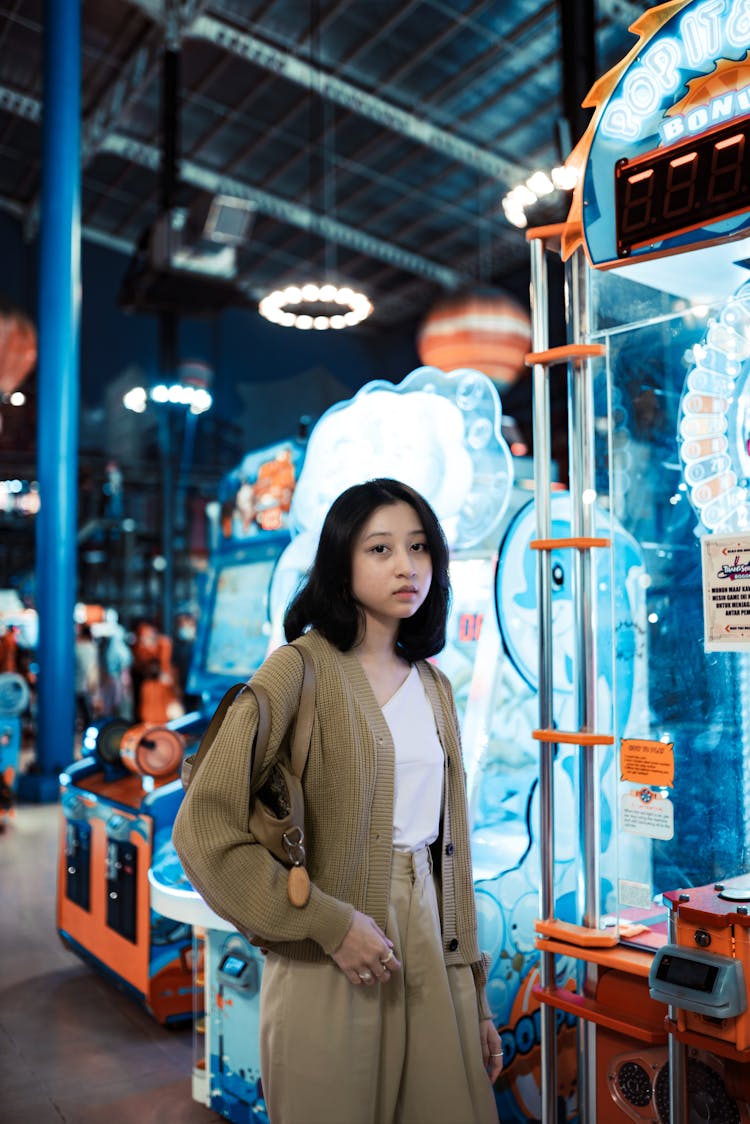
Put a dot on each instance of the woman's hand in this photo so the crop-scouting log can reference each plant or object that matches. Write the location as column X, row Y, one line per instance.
column 366, row 955
column 492, row 1049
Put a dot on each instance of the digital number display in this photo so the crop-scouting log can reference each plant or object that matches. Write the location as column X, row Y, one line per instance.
column 686, row 186
column 688, row 973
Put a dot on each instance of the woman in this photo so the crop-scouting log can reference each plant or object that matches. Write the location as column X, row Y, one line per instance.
column 372, row 1002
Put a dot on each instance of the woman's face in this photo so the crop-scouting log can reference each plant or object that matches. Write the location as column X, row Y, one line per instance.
column 391, row 565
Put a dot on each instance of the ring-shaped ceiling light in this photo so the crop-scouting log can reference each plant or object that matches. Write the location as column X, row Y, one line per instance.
column 315, row 306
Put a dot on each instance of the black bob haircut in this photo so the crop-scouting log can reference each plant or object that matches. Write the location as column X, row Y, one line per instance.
column 325, row 601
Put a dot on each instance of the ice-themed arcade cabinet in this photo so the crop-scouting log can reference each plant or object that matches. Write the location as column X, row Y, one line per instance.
column 657, row 251
column 120, row 800
column 442, row 434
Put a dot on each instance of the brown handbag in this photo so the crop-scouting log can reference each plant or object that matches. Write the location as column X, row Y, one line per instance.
column 277, row 806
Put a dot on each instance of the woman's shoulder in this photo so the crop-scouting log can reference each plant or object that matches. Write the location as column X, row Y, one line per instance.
column 284, row 662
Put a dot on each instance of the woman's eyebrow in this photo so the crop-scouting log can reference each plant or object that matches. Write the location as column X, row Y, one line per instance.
column 389, row 534
column 379, row 534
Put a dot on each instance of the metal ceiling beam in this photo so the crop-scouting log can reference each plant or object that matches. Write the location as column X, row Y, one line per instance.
column 354, row 99
column 207, row 179
column 20, row 105
column 136, row 72
column 111, row 241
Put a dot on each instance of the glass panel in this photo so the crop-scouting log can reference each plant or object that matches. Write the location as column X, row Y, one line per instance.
column 672, row 427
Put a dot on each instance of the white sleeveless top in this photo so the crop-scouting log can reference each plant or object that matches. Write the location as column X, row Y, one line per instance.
column 419, row 765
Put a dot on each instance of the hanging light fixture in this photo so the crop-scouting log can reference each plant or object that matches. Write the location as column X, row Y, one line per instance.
column 318, row 305
column 315, row 306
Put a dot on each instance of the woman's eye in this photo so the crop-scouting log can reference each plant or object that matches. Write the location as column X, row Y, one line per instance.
column 380, row 548
column 419, row 546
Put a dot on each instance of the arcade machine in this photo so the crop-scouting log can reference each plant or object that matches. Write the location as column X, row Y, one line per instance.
column 117, row 802
column 14, row 699
column 441, row 433
column 120, row 800
column 657, row 248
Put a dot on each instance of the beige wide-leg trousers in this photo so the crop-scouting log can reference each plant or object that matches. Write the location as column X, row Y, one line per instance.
column 404, row 1052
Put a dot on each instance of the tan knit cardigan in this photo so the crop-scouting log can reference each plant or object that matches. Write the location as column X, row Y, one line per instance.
column 349, row 791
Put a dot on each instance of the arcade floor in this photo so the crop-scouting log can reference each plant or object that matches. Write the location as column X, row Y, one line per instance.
column 73, row 1050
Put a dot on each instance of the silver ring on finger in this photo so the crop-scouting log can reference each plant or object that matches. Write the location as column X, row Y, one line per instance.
column 365, row 976
column 388, row 958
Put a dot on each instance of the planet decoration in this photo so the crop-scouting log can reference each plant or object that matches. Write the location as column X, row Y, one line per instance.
column 18, row 347
column 487, row 331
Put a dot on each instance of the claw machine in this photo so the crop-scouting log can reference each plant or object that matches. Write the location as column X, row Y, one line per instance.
column 657, row 252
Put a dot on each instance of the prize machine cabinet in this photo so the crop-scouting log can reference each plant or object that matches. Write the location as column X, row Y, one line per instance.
column 117, row 802
column 232, row 642
column 14, row 699
column 226, row 1057
column 234, row 636
column 120, row 801
column 658, row 362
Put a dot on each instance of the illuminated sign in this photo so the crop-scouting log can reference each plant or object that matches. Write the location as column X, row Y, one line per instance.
column 709, row 31
column 722, row 108
column 639, row 193
column 469, row 627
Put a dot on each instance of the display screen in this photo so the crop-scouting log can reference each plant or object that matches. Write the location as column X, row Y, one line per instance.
column 684, row 187
column 239, row 629
column 684, row 972
column 233, row 966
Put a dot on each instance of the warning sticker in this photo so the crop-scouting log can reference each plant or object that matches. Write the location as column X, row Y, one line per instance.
column 647, row 762
column 648, row 813
column 726, row 592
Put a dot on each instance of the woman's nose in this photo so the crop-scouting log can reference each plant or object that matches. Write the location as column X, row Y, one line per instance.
column 406, row 562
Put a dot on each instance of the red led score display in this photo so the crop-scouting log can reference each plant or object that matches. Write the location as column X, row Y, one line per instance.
column 684, row 187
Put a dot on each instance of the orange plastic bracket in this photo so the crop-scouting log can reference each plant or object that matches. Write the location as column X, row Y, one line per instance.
column 633, row 961
column 577, row 543
column 568, row 352
column 577, row 934
column 551, row 234
column 572, row 737
column 590, row 1010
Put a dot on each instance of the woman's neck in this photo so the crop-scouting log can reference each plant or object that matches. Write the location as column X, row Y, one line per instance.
column 377, row 643
column 384, row 668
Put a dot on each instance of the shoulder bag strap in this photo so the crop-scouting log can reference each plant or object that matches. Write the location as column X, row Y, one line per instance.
column 213, row 727
column 305, row 716
column 262, row 734
column 303, row 726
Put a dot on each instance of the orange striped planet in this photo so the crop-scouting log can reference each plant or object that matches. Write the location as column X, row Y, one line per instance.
column 487, row 331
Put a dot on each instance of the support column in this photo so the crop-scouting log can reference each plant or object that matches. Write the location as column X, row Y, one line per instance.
column 57, row 438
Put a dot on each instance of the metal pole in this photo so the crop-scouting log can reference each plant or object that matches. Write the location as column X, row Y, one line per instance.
column 167, row 366
column 582, row 481
column 542, row 458
column 168, row 329
column 57, row 440
column 678, row 1102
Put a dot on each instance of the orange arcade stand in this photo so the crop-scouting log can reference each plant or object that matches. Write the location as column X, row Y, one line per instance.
column 118, row 805
column 654, row 958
